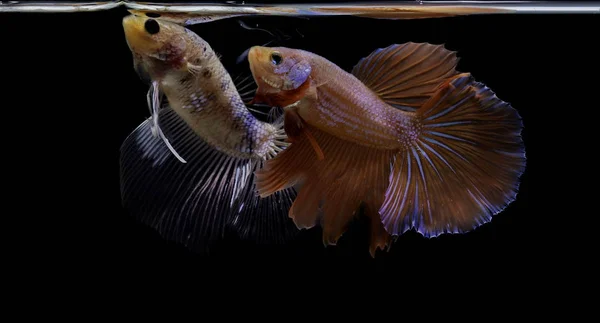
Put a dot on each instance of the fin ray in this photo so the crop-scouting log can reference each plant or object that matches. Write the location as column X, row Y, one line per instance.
column 332, row 188
column 196, row 202
column 406, row 75
column 247, row 89
column 463, row 168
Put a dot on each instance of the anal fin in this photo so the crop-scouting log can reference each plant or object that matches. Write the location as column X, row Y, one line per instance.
column 332, row 188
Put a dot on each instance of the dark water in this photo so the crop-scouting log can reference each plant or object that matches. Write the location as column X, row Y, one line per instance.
column 73, row 97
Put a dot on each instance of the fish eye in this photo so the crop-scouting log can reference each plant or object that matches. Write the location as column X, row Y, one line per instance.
column 152, row 15
column 276, row 58
column 152, row 26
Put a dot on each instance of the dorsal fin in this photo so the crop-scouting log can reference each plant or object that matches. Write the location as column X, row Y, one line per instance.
column 406, row 75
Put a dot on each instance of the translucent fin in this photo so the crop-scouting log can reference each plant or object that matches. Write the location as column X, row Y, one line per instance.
column 333, row 188
column 264, row 220
column 245, row 85
column 406, row 75
column 194, row 203
column 275, row 113
column 154, row 104
column 464, row 166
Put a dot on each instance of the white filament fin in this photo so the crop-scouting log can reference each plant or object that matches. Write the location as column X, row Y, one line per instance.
column 154, row 105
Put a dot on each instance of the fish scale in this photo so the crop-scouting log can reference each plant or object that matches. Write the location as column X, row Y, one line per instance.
column 222, row 120
column 362, row 116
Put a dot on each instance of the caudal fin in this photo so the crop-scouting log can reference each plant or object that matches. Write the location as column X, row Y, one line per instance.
column 194, row 203
column 463, row 168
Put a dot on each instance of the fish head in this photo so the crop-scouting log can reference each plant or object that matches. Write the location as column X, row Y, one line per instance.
column 156, row 45
column 282, row 74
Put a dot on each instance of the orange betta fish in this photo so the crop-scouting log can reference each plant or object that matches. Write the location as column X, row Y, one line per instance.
column 419, row 144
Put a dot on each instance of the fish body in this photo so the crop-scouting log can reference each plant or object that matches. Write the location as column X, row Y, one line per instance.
column 337, row 102
column 421, row 145
column 199, row 89
column 195, row 197
column 345, row 110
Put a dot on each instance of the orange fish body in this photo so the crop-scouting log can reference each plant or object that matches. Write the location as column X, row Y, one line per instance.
column 419, row 144
column 344, row 107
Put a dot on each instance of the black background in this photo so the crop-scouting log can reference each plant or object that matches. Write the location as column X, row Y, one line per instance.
column 71, row 97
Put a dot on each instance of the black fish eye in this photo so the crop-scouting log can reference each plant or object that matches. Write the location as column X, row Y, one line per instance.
column 152, row 26
column 276, row 58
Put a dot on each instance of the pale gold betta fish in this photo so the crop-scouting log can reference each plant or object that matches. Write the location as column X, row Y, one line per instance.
column 188, row 170
column 421, row 145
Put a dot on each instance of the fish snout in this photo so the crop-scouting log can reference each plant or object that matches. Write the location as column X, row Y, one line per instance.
column 133, row 28
column 132, row 24
column 255, row 53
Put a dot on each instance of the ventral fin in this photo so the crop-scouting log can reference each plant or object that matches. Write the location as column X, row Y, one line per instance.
column 406, row 75
column 294, row 128
column 155, row 103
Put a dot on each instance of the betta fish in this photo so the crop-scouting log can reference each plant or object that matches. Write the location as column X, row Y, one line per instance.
column 187, row 171
column 420, row 145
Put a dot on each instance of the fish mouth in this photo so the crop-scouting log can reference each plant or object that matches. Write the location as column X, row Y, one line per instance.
column 136, row 36
column 133, row 27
